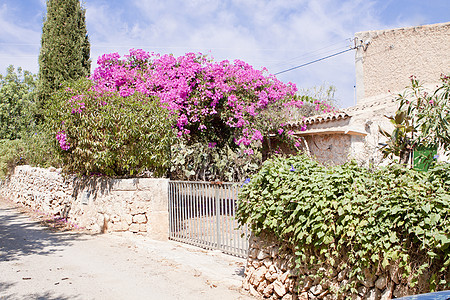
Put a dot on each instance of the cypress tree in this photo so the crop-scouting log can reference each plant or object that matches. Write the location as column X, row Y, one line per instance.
column 65, row 47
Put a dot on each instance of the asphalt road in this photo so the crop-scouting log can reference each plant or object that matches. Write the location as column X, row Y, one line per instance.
column 37, row 263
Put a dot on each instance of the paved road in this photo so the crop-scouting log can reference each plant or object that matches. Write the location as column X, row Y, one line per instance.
column 36, row 263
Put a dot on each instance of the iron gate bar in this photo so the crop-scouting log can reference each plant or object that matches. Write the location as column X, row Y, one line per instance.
column 203, row 214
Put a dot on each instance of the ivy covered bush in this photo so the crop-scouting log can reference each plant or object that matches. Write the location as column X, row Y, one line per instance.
column 351, row 217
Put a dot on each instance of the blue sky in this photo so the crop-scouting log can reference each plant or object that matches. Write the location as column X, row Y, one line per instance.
column 276, row 34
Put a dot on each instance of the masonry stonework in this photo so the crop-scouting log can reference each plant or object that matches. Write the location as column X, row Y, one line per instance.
column 269, row 274
column 330, row 149
column 387, row 58
column 99, row 204
column 384, row 63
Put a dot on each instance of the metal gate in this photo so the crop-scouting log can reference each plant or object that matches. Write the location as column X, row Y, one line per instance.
column 203, row 214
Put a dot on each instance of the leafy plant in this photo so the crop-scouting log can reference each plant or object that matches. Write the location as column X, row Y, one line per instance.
column 17, row 103
column 110, row 135
column 400, row 141
column 34, row 149
column 421, row 122
column 430, row 112
column 351, row 217
column 209, row 162
column 10, row 156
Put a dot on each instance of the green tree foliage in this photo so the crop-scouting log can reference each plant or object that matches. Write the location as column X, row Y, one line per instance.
column 10, row 156
column 35, row 149
column 16, row 102
column 65, row 48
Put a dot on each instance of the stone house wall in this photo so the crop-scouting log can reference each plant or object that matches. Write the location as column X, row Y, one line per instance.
column 330, row 149
column 384, row 62
column 97, row 204
column 269, row 275
column 331, row 138
column 387, row 58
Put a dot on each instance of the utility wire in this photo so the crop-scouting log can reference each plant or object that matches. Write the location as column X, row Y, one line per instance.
column 309, row 55
column 314, row 61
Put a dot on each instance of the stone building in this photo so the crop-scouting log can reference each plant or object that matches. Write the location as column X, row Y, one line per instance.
column 384, row 63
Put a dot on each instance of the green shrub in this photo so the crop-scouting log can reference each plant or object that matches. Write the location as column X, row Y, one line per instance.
column 112, row 136
column 421, row 122
column 35, row 149
column 10, row 156
column 360, row 218
column 39, row 148
column 199, row 161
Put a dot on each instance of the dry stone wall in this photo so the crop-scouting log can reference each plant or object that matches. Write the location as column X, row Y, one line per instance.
column 99, row 204
column 270, row 274
column 41, row 189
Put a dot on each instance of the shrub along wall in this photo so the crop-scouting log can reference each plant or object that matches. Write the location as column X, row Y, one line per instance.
column 352, row 224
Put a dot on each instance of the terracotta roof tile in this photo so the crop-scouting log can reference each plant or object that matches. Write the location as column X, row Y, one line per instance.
column 323, row 118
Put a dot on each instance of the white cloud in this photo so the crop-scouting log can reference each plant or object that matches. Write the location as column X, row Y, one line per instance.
column 13, row 32
column 278, row 34
column 18, row 44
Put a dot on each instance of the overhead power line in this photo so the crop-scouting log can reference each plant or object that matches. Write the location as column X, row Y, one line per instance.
column 314, row 61
column 306, row 56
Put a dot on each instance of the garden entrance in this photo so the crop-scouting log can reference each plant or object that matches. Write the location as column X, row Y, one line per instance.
column 203, row 214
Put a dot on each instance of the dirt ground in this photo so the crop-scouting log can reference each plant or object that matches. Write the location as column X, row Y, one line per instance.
column 44, row 258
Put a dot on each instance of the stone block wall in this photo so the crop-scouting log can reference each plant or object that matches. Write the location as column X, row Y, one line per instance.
column 98, row 204
column 389, row 57
column 41, row 189
column 330, row 149
column 136, row 205
column 269, row 274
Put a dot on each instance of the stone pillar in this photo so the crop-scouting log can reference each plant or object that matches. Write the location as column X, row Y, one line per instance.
column 158, row 208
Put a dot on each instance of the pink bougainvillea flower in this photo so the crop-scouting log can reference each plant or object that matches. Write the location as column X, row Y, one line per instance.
column 196, row 90
column 248, row 151
column 62, row 139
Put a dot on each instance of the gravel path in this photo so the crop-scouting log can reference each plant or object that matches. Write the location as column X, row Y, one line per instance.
column 38, row 263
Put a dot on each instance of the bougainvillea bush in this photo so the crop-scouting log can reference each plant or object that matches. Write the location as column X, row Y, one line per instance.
column 219, row 104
